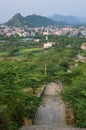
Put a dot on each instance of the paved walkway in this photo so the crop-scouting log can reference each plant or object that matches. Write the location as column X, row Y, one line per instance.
column 52, row 112
column 51, row 115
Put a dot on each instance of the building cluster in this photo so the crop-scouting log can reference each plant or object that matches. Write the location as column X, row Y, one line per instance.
column 70, row 31
column 13, row 31
column 50, row 30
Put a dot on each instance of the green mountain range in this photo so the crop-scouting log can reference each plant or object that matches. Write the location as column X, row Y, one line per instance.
column 38, row 21
column 30, row 21
column 69, row 20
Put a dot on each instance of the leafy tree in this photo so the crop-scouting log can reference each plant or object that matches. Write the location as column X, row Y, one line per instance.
column 75, row 93
column 15, row 104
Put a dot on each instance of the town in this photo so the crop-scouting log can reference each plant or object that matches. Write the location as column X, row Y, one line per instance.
column 49, row 30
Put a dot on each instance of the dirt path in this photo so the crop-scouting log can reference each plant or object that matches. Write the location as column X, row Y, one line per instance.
column 52, row 112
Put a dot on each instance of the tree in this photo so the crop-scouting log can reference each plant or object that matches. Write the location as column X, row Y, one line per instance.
column 15, row 104
column 35, row 80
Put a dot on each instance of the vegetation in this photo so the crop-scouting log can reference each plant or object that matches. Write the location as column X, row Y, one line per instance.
column 75, row 93
column 23, row 67
column 30, row 21
column 15, row 103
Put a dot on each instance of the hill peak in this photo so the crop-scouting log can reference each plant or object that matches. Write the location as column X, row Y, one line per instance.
column 69, row 19
column 18, row 15
column 30, row 20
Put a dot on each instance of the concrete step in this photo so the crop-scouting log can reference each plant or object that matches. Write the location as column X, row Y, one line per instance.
column 48, row 127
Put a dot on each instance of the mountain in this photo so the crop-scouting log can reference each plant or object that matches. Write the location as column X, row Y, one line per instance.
column 17, row 20
column 70, row 20
column 30, row 21
column 38, row 21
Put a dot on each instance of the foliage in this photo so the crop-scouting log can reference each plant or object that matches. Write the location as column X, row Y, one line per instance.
column 30, row 21
column 75, row 94
column 14, row 102
column 36, row 67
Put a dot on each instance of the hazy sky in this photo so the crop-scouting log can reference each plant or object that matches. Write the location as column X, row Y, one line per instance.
column 8, row 8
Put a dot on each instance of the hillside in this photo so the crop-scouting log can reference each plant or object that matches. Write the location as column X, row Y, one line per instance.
column 70, row 20
column 30, row 21
column 23, row 72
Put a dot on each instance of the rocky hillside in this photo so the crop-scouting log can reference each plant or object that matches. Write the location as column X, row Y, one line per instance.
column 30, row 21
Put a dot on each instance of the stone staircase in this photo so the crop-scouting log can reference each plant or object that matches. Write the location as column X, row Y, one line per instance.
column 48, row 127
column 51, row 115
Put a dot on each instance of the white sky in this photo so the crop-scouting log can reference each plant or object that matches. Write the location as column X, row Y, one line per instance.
column 8, row 8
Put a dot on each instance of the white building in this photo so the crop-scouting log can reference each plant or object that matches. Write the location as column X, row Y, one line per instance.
column 48, row 44
column 83, row 46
